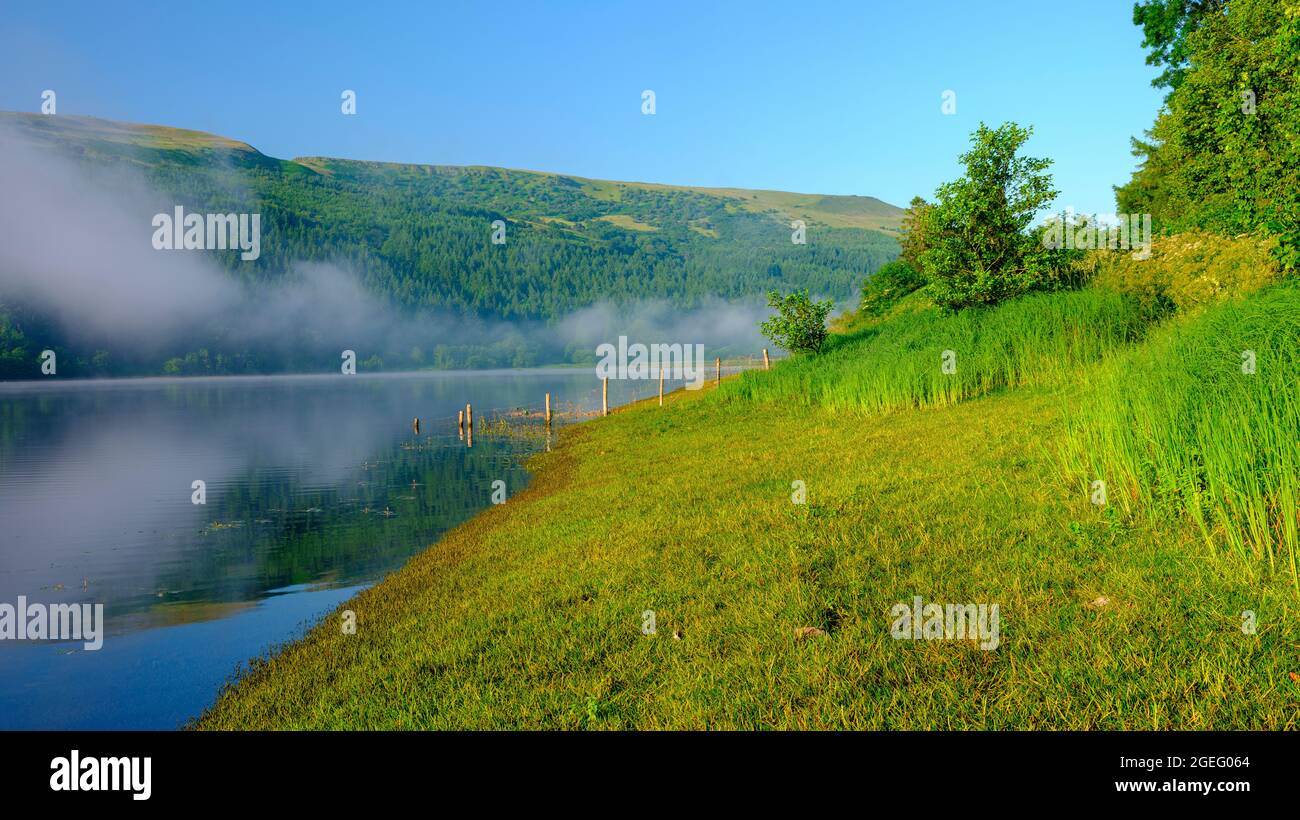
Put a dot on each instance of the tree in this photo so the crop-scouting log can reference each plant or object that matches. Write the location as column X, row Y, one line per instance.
column 1225, row 150
column 1166, row 26
column 979, row 246
column 913, row 240
column 800, row 323
column 1150, row 190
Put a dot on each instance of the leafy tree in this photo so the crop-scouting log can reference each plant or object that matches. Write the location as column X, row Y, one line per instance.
column 799, row 324
column 1149, row 191
column 913, row 241
column 1225, row 151
column 979, row 245
column 1166, row 25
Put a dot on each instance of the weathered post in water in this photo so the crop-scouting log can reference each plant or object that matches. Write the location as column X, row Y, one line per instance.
column 415, row 425
column 460, row 423
column 548, row 409
column 604, row 397
column 469, row 418
column 766, row 364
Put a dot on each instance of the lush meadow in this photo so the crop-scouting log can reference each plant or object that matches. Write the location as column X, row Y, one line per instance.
column 1103, row 443
column 969, row 487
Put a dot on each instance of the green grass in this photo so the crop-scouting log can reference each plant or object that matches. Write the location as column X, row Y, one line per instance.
column 897, row 363
column 530, row 615
column 1176, row 428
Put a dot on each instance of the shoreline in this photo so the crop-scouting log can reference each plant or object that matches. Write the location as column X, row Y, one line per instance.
column 538, row 465
column 768, row 614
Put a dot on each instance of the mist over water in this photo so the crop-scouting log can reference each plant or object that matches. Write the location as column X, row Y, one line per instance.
column 76, row 245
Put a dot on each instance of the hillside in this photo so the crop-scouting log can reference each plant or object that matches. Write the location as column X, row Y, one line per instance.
column 156, row 145
column 419, row 236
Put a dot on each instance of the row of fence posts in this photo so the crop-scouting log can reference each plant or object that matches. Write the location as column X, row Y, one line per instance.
column 604, row 387
column 465, row 418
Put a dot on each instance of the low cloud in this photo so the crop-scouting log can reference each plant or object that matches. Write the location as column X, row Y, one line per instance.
column 75, row 245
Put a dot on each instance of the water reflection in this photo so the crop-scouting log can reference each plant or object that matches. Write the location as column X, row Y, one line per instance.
column 315, row 487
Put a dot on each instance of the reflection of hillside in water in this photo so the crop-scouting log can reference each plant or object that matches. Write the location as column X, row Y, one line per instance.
column 332, row 538
column 310, row 481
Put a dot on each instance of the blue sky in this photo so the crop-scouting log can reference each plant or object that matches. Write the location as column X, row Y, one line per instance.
column 825, row 97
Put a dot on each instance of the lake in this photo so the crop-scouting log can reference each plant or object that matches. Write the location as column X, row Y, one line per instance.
column 316, row 487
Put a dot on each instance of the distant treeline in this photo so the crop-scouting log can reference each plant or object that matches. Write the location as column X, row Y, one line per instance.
column 419, row 238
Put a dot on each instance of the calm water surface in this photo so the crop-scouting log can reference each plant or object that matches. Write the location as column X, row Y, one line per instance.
column 317, row 487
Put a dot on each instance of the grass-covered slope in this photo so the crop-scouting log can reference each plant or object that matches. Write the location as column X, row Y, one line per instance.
column 900, row 363
column 1204, row 422
column 531, row 614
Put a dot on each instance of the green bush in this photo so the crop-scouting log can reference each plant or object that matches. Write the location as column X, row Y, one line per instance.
column 1189, row 270
column 800, row 323
column 980, row 244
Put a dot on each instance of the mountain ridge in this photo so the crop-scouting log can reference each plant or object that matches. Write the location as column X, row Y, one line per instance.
column 836, row 210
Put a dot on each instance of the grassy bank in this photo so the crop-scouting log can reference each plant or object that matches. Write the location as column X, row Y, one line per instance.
column 1203, row 423
column 531, row 615
column 898, row 363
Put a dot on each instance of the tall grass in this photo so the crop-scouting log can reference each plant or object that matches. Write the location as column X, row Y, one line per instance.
column 1175, row 427
column 898, row 363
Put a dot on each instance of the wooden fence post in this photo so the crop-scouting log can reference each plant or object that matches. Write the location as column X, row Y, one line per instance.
column 548, row 409
column 766, row 364
column 604, row 398
column 717, row 365
column 661, row 385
